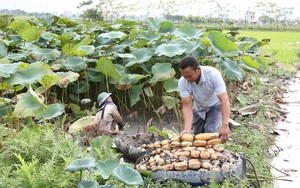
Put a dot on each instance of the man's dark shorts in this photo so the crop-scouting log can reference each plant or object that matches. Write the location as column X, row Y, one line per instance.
column 211, row 124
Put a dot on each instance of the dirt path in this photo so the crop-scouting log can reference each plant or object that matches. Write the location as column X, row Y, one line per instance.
column 286, row 164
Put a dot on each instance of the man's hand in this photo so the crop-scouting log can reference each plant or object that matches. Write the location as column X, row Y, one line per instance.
column 224, row 133
column 184, row 131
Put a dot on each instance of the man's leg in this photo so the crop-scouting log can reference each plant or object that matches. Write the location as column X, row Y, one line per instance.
column 213, row 120
column 198, row 123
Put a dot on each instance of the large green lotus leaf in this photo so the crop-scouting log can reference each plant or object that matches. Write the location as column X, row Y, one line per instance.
column 88, row 184
column 30, row 75
column 6, row 70
column 76, row 109
column 45, row 53
column 31, row 33
column 141, row 56
column 88, row 49
column 171, row 85
column 5, row 20
column 19, row 25
column 148, row 35
column 127, row 176
column 154, row 23
column 105, row 168
column 94, row 75
column 128, row 80
column 135, row 92
column 189, row 31
column 6, row 110
column 140, row 43
column 170, row 102
column 49, row 80
column 113, row 35
column 250, row 62
column 47, row 36
column 103, row 141
column 232, row 69
column 68, row 22
column 261, row 61
column 65, row 37
column 192, row 46
column 52, row 111
column 81, row 164
column 124, row 56
column 80, row 123
column 15, row 38
column 29, row 105
column 75, row 64
column 70, row 48
column 169, row 50
column 106, row 67
column 10, row 88
column 65, row 78
column 17, row 56
column 3, row 50
column 162, row 72
column 223, row 44
column 82, row 87
column 166, row 26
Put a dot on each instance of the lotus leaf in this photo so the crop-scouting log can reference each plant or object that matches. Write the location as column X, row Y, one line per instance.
column 135, row 92
column 29, row 75
column 3, row 50
column 75, row 64
column 189, row 31
column 52, row 111
column 80, row 123
column 6, row 70
column 31, row 33
column 45, row 54
column 105, row 168
column 170, row 102
column 171, row 85
column 80, row 164
column 232, row 69
column 127, row 176
column 162, row 72
column 169, row 50
column 223, row 44
column 106, row 67
column 66, row 78
column 29, row 105
column 88, row 184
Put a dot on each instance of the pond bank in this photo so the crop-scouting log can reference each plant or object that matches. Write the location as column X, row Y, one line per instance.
column 286, row 165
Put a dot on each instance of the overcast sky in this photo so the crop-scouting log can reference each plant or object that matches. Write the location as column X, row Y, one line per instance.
column 71, row 5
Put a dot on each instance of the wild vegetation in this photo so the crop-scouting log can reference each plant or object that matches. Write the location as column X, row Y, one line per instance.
column 52, row 70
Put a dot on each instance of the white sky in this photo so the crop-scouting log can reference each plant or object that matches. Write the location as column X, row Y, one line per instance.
column 71, row 5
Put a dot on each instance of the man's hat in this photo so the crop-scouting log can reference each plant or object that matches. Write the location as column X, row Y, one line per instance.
column 102, row 97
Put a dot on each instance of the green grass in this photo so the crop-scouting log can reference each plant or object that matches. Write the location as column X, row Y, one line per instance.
column 285, row 43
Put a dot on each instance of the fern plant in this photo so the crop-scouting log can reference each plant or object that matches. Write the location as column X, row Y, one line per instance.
column 36, row 157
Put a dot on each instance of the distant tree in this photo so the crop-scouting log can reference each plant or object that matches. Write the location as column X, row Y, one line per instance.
column 271, row 12
column 93, row 14
column 168, row 7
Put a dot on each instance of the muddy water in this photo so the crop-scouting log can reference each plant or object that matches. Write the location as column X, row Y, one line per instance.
column 287, row 162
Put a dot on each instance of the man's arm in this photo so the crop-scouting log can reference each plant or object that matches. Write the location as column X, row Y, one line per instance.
column 187, row 114
column 225, row 111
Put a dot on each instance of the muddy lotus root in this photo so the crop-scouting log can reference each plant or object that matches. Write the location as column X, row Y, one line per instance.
column 188, row 152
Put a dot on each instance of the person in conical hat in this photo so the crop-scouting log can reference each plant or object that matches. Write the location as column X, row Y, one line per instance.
column 108, row 119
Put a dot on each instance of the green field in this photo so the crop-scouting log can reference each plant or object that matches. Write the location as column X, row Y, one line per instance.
column 287, row 44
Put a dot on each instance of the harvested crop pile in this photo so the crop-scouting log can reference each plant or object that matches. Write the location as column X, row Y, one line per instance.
column 187, row 152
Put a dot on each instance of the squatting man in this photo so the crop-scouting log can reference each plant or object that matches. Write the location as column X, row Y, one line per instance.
column 204, row 87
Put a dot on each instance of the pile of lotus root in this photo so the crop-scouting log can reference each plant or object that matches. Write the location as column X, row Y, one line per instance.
column 187, row 152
